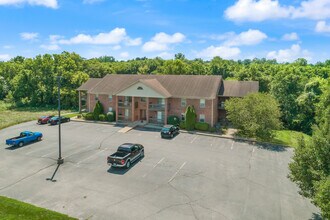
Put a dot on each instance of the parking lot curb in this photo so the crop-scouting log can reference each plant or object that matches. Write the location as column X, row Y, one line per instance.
column 95, row 122
column 251, row 141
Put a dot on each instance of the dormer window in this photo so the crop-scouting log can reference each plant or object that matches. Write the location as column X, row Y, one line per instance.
column 139, row 88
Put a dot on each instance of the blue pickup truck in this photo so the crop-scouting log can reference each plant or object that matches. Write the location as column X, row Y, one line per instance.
column 24, row 138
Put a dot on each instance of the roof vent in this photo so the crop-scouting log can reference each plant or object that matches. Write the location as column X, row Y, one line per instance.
column 139, row 88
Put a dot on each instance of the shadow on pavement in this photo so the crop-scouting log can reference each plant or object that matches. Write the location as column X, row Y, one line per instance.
column 123, row 170
column 316, row 216
column 17, row 147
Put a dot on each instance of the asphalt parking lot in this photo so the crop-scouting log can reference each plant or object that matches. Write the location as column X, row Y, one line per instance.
column 189, row 177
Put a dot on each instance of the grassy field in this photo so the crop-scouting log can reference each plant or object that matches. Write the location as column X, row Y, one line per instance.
column 10, row 116
column 288, row 138
column 11, row 209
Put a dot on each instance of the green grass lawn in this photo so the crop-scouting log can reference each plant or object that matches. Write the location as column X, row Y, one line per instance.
column 10, row 116
column 11, row 209
column 288, row 138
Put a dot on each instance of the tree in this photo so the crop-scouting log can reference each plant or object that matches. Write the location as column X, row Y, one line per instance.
column 190, row 116
column 310, row 167
column 98, row 109
column 255, row 115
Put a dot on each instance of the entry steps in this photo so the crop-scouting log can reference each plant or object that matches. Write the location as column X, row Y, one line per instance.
column 131, row 126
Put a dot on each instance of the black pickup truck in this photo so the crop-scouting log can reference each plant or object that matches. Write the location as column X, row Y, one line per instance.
column 126, row 154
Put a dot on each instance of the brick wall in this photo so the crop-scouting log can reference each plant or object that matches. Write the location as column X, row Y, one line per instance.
column 175, row 108
column 104, row 99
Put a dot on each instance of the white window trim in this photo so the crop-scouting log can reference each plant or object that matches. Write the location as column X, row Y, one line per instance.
column 185, row 102
column 110, row 99
column 200, row 103
column 202, row 117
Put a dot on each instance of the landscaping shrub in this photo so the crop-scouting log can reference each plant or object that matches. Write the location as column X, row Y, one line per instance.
column 182, row 125
column 173, row 120
column 111, row 116
column 190, row 118
column 202, row 126
column 102, row 117
column 88, row 116
column 212, row 129
column 98, row 109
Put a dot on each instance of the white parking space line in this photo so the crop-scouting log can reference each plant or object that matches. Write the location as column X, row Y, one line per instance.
column 253, row 150
column 154, row 167
column 193, row 139
column 232, row 145
column 177, row 172
column 93, row 155
column 48, row 154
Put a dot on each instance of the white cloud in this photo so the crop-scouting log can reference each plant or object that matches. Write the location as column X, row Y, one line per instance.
column 261, row 10
column 116, row 36
column 313, row 9
column 253, row 10
column 154, row 46
column 289, row 55
column 4, row 57
column 46, row 3
column 51, row 47
column 165, row 55
column 8, row 47
column 92, row 1
column 221, row 51
column 29, row 36
column 250, row 37
column 124, row 55
column 134, row 42
column 322, row 27
column 290, row 37
column 117, row 47
column 161, row 41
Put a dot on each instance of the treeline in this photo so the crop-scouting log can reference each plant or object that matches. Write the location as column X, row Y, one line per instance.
column 297, row 86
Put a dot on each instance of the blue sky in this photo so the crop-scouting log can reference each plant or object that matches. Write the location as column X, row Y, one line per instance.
column 232, row 29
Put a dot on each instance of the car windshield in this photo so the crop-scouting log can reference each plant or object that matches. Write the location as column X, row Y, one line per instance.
column 165, row 129
column 125, row 149
column 54, row 118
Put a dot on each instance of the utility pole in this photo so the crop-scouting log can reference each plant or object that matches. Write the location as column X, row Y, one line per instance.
column 60, row 160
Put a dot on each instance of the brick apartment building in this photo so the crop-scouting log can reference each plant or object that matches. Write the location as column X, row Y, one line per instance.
column 154, row 97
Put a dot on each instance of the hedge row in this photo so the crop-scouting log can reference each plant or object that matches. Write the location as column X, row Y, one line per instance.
column 110, row 116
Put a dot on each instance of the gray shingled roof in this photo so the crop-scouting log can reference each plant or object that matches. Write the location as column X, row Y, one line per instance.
column 91, row 83
column 178, row 86
column 238, row 88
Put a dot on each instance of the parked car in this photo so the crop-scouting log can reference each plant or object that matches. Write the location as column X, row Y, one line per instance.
column 55, row 120
column 126, row 155
column 169, row 131
column 44, row 119
column 24, row 138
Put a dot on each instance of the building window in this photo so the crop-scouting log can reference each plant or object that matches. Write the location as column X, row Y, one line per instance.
column 161, row 101
column 96, row 97
column 110, row 98
column 201, row 118
column 143, row 99
column 139, row 88
column 183, row 102
column 222, row 105
column 202, row 103
column 110, row 109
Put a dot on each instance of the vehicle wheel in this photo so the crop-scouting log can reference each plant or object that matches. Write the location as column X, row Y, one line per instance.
column 58, row 123
column 69, row 119
column 20, row 144
column 142, row 154
column 128, row 164
column 39, row 138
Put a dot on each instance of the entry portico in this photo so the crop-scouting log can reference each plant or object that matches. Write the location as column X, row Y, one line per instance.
column 144, row 100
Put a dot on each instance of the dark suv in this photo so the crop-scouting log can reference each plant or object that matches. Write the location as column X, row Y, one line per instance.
column 169, row 131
